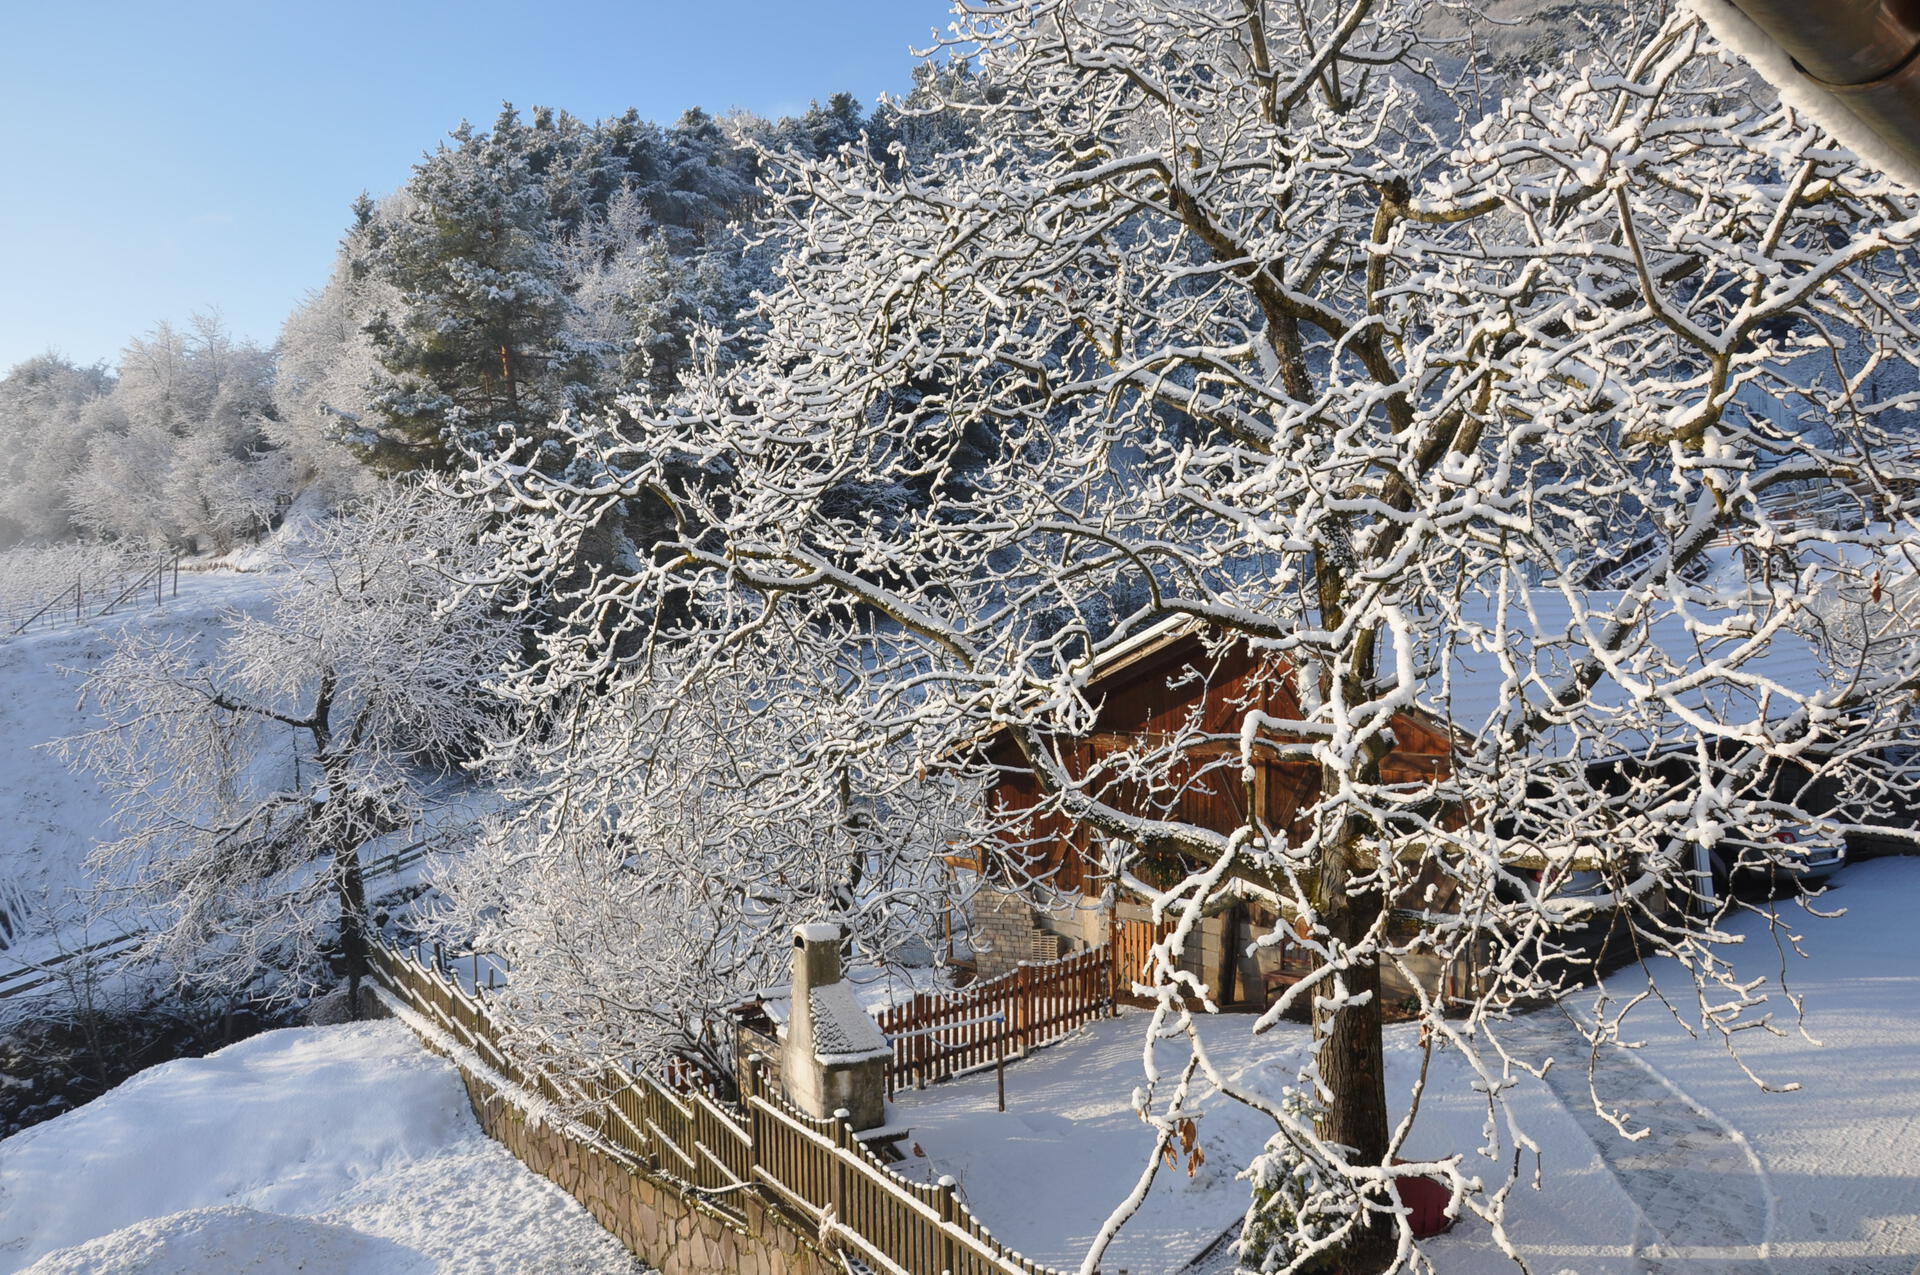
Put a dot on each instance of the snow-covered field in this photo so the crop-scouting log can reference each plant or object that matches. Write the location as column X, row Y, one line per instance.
column 326, row 1150
column 1821, row 1181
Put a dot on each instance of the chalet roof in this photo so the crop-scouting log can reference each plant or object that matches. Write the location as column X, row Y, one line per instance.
column 1468, row 691
column 1477, row 691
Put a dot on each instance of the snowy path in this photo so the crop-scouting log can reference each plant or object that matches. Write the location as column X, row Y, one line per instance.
column 1703, row 1196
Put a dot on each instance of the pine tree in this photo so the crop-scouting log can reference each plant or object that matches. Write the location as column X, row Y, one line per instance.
column 478, row 346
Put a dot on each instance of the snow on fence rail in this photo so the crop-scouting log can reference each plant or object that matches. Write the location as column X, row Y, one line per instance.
column 717, row 1150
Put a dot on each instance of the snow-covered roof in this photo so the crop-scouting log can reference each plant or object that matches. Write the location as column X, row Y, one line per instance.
column 843, row 1032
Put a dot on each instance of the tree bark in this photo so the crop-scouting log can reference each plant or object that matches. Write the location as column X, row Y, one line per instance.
column 1348, row 1051
column 351, row 889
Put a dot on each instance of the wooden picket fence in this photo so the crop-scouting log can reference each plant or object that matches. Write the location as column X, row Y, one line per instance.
column 937, row 1035
column 817, row 1169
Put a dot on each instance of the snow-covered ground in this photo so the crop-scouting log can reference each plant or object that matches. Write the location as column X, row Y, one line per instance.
column 326, row 1150
column 1821, row 1181
column 51, row 815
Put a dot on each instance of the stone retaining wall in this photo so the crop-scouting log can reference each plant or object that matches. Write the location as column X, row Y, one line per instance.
column 675, row 1232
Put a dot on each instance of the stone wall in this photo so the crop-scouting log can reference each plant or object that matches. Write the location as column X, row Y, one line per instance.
column 1002, row 930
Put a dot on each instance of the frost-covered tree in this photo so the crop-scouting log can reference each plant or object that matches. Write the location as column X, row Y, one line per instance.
column 246, row 783
column 326, row 376
column 43, row 442
column 1233, row 317
column 175, row 451
column 675, row 825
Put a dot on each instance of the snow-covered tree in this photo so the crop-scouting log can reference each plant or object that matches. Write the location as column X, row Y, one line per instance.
column 478, row 342
column 325, row 380
column 1230, row 317
column 247, row 783
column 43, row 442
column 676, row 825
column 175, row 451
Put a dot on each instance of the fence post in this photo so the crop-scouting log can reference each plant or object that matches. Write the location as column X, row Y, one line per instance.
column 756, row 1134
column 1000, row 1072
column 842, row 1166
column 1026, row 1008
column 1113, row 962
column 949, row 1218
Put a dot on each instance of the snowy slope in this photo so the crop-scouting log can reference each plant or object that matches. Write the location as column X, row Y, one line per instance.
column 329, row 1150
column 50, row 818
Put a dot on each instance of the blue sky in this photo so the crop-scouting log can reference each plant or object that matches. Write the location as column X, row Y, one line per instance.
column 161, row 159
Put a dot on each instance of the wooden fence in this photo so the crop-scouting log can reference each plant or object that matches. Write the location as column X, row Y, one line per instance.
column 940, row 1034
column 718, row 1150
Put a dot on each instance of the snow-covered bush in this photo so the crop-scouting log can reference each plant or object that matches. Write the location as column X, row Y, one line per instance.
column 1291, row 1226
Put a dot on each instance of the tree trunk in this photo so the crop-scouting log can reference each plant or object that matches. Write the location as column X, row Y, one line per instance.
column 1348, row 1051
column 351, row 888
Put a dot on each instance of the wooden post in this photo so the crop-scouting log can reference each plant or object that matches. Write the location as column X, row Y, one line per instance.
column 1000, row 1072
column 756, row 1134
column 949, row 1218
column 1026, row 1008
column 1113, row 958
column 842, row 1170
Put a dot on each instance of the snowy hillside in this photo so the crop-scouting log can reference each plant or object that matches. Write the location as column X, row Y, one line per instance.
column 328, row 1150
column 52, row 816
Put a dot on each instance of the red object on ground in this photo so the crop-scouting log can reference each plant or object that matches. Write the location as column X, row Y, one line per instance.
column 1426, row 1199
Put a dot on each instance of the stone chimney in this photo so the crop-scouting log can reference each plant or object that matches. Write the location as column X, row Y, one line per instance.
column 834, row 1057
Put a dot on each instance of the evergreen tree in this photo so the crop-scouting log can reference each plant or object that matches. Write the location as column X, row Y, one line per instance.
column 478, row 345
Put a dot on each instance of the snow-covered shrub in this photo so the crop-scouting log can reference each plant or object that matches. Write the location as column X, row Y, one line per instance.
column 1291, row 1226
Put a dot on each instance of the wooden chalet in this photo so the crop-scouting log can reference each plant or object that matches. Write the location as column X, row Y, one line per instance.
column 1170, row 687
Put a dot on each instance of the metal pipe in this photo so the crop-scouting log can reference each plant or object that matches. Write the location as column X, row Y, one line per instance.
column 1865, row 53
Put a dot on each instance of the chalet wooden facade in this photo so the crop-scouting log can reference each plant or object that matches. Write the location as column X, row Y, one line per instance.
column 1172, row 689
